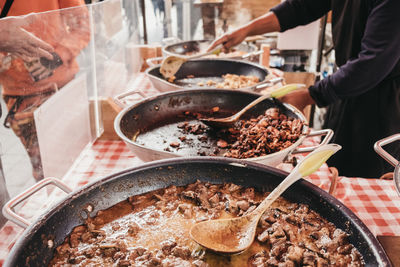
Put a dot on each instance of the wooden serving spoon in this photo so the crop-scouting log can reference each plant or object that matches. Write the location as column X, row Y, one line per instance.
column 230, row 236
column 171, row 64
column 229, row 121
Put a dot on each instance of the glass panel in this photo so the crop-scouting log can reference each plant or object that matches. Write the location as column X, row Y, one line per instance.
column 46, row 99
column 52, row 104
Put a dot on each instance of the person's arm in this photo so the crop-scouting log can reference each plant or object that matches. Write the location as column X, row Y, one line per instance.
column 19, row 42
column 292, row 13
column 380, row 52
column 284, row 16
column 263, row 24
column 76, row 20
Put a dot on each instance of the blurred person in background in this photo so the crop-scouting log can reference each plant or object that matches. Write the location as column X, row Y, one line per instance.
column 37, row 58
column 363, row 96
column 24, row 44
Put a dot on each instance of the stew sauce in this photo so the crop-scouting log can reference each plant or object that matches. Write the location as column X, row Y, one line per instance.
column 153, row 230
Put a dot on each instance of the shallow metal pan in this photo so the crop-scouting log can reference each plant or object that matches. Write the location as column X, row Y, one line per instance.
column 183, row 48
column 158, row 110
column 194, row 46
column 203, row 70
column 37, row 244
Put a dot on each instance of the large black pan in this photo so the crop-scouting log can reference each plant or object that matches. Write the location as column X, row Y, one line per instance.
column 33, row 249
column 164, row 110
column 203, row 70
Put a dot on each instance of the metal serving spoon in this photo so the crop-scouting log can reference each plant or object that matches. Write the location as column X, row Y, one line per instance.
column 171, row 64
column 229, row 121
column 235, row 235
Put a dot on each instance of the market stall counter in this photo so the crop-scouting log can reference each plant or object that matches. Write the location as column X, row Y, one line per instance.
column 374, row 201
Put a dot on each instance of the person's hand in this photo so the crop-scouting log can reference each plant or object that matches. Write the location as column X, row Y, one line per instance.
column 298, row 98
column 21, row 43
column 231, row 39
column 264, row 24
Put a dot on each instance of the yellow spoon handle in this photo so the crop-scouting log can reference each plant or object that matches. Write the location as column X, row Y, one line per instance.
column 286, row 89
column 315, row 159
column 308, row 165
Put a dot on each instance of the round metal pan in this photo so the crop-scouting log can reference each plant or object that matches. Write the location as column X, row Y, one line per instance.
column 166, row 110
column 242, row 51
column 389, row 158
column 195, row 46
column 37, row 244
column 193, row 72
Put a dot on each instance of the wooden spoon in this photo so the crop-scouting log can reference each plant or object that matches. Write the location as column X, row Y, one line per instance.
column 229, row 121
column 235, row 235
column 171, row 64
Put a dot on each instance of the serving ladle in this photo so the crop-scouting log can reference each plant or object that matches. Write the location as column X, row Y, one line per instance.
column 171, row 64
column 229, row 121
column 231, row 236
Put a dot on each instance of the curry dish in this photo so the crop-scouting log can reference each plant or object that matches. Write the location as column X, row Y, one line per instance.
column 152, row 229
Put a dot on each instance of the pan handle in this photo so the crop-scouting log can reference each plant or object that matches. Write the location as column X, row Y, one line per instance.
column 270, row 82
column 118, row 98
column 150, row 61
column 383, row 153
column 10, row 205
column 328, row 133
column 252, row 54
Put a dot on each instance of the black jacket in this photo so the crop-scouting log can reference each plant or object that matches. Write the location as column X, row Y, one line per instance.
column 364, row 94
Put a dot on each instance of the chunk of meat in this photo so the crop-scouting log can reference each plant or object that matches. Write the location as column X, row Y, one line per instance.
column 167, row 246
column 222, row 143
column 181, row 252
column 262, row 237
column 295, row 254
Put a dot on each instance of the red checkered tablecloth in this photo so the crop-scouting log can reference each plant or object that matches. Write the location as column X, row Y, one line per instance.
column 374, row 201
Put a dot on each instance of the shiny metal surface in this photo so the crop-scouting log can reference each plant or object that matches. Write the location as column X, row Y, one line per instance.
column 158, row 109
column 33, row 249
column 204, row 70
column 12, row 203
column 378, row 146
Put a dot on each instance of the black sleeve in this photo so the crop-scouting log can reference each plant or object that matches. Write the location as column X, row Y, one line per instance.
column 380, row 52
column 293, row 13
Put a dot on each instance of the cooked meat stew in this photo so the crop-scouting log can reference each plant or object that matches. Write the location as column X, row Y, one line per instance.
column 249, row 138
column 152, row 229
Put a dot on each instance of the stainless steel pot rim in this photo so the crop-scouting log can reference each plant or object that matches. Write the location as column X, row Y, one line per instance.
column 117, row 121
column 222, row 59
column 177, row 87
column 396, row 178
column 378, row 147
column 168, row 163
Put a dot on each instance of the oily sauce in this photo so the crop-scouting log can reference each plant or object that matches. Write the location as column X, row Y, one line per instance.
column 153, row 230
